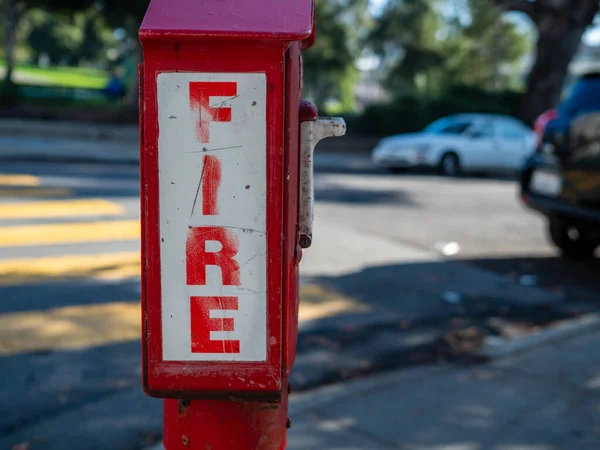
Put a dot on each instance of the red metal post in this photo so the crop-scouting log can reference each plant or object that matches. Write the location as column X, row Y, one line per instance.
column 218, row 424
column 221, row 184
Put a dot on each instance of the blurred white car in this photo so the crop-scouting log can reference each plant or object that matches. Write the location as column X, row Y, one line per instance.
column 464, row 142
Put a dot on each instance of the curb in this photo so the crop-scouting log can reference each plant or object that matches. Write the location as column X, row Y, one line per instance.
column 496, row 348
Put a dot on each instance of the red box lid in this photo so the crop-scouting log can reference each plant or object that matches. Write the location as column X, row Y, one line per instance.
column 281, row 20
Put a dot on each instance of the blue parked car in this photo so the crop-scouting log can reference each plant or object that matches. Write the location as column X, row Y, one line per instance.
column 562, row 179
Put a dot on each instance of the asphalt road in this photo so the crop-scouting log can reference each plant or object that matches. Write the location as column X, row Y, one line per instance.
column 479, row 221
column 69, row 286
column 69, row 308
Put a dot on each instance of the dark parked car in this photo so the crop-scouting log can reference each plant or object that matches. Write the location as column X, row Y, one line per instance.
column 562, row 179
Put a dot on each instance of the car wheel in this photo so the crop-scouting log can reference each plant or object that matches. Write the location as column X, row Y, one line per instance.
column 449, row 165
column 570, row 240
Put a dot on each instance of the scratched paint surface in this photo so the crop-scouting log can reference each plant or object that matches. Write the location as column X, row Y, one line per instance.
column 212, row 176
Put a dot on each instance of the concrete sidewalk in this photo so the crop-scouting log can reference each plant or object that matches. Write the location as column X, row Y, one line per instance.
column 55, row 141
column 53, row 149
column 61, row 130
column 545, row 399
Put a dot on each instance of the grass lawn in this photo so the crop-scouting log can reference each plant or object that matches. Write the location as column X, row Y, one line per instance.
column 71, row 77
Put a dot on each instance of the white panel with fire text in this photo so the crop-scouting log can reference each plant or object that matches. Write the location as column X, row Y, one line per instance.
column 212, row 190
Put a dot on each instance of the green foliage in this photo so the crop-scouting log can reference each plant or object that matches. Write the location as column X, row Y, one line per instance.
column 487, row 51
column 414, row 112
column 69, row 77
column 45, row 39
column 92, row 44
column 329, row 71
column 428, row 47
column 405, row 37
column 77, row 38
column 118, row 12
column 346, row 87
column 60, row 77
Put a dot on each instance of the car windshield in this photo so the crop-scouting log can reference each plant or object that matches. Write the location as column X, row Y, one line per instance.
column 448, row 126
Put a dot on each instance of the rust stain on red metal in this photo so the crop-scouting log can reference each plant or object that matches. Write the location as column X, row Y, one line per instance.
column 184, row 404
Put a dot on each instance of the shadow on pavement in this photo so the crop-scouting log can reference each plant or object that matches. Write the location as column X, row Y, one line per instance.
column 65, row 293
column 426, row 312
column 62, row 384
column 410, row 321
column 336, row 193
column 403, row 287
column 430, row 172
column 577, row 280
column 338, row 163
column 91, row 398
column 57, row 372
column 83, row 180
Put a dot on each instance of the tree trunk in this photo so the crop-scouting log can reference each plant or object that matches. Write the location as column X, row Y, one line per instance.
column 556, row 47
column 10, row 28
column 559, row 37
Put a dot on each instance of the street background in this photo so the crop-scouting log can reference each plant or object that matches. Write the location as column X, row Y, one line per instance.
column 434, row 314
column 378, row 294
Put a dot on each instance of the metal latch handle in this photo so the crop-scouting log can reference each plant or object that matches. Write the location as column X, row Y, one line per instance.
column 312, row 131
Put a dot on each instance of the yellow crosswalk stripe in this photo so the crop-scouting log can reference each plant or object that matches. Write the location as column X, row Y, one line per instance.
column 19, row 180
column 14, row 272
column 317, row 301
column 70, row 233
column 68, row 328
column 65, row 208
column 77, row 327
